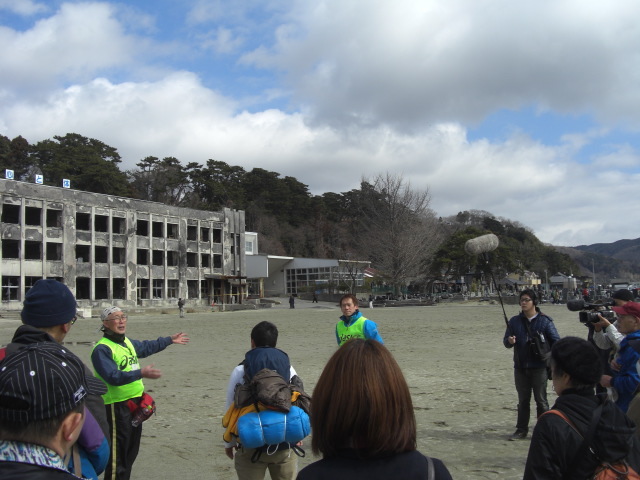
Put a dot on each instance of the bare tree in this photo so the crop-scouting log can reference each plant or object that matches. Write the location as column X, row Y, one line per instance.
column 399, row 232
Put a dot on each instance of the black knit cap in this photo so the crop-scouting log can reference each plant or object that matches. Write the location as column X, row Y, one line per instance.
column 48, row 303
column 41, row 381
column 579, row 359
column 623, row 294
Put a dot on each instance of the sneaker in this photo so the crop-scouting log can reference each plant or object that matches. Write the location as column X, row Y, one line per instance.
column 519, row 434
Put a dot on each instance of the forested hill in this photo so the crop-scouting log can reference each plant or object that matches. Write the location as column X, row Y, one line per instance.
column 383, row 221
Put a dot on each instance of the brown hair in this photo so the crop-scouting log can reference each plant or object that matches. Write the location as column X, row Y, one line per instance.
column 349, row 296
column 362, row 401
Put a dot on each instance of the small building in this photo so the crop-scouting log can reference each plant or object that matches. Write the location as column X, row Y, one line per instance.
column 116, row 250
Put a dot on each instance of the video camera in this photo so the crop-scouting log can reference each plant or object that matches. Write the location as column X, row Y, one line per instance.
column 589, row 311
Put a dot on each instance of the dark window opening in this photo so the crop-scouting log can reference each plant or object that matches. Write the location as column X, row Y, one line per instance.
column 102, row 288
column 172, row 288
column 101, row 223
column 205, row 260
column 118, row 225
column 204, row 234
column 10, row 213
column 10, row 288
column 101, row 255
column 83, row 221
column 83, row 253
column 10, row 248
column 157, row 229
column 158, row 285
column 119, row 255
column 54, row 218
column 192, row 259
column 217, row 235
column 29, row 282
column 32, row 250
column 142, row 256
column 142, row 228
column 217, row 261
column 33, row 216
column 192, row 288
column 143, row 288
column 158, row 258
column 172, row 230
column 192, row 232
column 83, row 288
column 119, row 288
column 54, row 251
column 172, row 258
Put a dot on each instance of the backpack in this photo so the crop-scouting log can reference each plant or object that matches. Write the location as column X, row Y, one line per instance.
column 619, row 470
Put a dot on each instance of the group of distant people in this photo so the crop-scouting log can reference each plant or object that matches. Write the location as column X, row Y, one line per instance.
column 592, row 422
column 58, row 420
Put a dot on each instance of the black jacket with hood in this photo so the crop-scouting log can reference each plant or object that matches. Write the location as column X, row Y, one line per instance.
column 556, row 448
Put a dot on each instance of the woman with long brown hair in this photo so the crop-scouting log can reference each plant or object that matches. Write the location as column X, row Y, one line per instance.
column 362, row 420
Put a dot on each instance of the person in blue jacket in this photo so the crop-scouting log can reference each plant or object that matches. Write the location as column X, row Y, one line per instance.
column 353, row 324
column 530, row 373
column 625, row 378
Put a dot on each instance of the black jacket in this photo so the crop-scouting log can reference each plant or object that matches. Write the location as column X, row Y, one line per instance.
column 26, row 335
column 23, row 471
column 522, row 356
column 555, row 444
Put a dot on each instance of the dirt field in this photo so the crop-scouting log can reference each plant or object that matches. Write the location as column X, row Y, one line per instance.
column 451, row 354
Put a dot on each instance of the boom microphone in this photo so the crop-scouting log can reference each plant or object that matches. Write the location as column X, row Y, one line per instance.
column 483, row 244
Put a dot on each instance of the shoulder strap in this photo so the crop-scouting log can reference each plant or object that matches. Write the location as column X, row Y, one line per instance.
column 561, row 414
column 431, row 473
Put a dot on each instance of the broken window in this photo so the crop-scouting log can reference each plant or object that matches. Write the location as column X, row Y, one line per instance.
column 10, row 288
column 83, row 221
column 119, row 255
column 32, row 250
column 142, row 228
column 118, row 225
column 173, row 287
column 83, row 253
column 172, row 230
column 101, row 254
column 53, row 251
column 143, row 288
column 10, row 213
column 157, row 229
column 54, row 218
column 33, row 216
column 10, row 248
column 142, row 256
column 158, row 258
column 101, row 288
column 83, row 288
column 158, row 285
column 101, row 223
column 119, row 288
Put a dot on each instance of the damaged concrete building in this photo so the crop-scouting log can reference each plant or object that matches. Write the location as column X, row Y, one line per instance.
column 116, row 250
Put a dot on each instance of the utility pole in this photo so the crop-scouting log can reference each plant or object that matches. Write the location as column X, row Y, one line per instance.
column 593, row 271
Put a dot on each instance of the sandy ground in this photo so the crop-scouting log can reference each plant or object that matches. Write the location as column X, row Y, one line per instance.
column 452, row 356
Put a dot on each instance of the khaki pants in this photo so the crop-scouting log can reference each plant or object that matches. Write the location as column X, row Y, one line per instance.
column 282, row 465
column 634, row 412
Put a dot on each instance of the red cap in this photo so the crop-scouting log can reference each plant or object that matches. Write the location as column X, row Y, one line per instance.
column 629, row 308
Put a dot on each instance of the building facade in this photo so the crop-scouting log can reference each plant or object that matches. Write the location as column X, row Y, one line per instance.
column 116, row 250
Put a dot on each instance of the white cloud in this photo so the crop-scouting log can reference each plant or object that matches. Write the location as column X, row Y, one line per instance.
column 23, row 7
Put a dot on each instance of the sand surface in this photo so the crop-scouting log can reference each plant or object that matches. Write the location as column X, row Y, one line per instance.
column 461, row 379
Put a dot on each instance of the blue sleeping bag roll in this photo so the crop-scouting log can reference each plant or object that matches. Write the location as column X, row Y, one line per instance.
column 270, row 427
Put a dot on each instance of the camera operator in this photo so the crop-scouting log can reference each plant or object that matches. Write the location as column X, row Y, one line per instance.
column 626, row 376
column 606, row 335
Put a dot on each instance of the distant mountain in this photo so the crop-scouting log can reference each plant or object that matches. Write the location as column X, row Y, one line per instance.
column 617, row 260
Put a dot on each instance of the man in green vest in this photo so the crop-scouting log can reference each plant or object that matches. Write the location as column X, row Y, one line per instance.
column 115, row 360
column 352, row 324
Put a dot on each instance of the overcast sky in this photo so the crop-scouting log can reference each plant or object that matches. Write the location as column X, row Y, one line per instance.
column 527, row 109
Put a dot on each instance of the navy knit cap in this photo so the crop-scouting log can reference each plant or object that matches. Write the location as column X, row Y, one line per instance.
column 579, row 359
column 47, row 304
